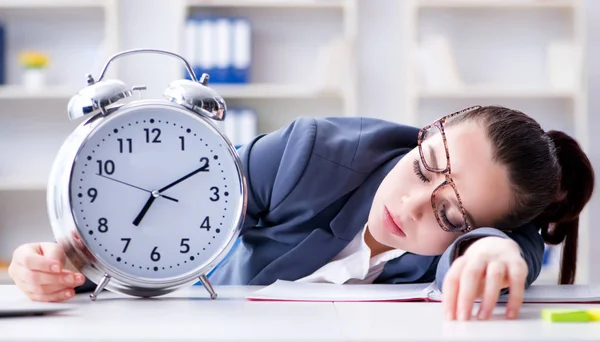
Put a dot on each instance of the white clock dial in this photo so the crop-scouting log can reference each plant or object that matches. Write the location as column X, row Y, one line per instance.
column 155, row 193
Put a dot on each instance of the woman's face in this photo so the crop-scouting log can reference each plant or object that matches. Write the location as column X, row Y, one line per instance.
column 402, row 216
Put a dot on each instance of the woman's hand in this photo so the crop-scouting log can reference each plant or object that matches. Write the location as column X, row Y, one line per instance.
column 489, row 265
column 38, row 270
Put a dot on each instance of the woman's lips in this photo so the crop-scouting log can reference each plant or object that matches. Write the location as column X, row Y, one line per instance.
column 390, row 224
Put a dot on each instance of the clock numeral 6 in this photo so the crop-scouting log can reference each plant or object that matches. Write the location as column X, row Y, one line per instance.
column 155, row 256
column 102, row 225
column 108, row 167
column 186, row 247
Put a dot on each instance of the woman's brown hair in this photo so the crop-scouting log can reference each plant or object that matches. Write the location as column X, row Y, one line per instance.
column 551, row 177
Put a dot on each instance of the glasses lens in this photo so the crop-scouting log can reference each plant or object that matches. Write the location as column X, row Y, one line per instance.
column 447, row 209
column 433, row 150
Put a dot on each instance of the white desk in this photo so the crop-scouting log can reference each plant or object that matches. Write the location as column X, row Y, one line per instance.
column 190, row 315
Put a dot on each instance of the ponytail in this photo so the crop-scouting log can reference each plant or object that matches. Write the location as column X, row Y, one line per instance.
column 559, row 222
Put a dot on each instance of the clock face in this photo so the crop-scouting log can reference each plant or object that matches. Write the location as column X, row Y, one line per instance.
column 155, row 193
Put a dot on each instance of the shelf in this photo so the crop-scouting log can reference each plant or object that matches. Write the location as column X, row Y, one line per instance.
column 17, row 92
column 484, row 92
column 251, row 91
column 62, row 4
column 503, row 4
column 268, row 3
column 272, row 91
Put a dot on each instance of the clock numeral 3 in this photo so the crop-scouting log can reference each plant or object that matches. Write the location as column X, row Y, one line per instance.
column 206, row 224
column 102, row 225
column 155, row 131
column 155, row 256
column 129, row 143
column 215, row 191
column 108, row 167
column 127, row 241
column 186, row 247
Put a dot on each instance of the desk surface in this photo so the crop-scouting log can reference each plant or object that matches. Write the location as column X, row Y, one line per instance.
column 189, row 315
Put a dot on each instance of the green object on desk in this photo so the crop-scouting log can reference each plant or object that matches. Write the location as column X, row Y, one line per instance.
column 594, row 315
column 565, row 316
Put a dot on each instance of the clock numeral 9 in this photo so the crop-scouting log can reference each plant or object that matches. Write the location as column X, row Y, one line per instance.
column 206, row 224
column 155, row 131
column 186, row 247
column 215, row 191
column 102, row 225
column 155, row 256
column 108, row 167
column 92, row 192
column 129, row 142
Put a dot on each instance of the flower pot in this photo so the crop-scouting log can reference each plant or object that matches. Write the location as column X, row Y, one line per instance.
column 34, row 78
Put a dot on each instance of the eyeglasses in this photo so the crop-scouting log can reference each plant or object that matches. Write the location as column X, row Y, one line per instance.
column 449, row 211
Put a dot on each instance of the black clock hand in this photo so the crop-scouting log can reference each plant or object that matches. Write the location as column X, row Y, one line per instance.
column 140, row 216
column 137, row 187
column 203, row 168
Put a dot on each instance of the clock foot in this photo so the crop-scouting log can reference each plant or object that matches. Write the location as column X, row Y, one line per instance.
column 208, row 286
column 100, row 287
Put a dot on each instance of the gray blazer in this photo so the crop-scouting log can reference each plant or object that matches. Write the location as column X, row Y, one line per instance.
column 311, row 184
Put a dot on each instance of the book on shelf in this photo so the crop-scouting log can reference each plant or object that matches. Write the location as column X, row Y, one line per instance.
column 220, row 47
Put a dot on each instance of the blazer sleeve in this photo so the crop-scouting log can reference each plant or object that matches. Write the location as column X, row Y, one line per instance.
column 527, row 237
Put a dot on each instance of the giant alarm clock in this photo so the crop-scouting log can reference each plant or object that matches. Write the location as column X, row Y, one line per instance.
column 146, row 196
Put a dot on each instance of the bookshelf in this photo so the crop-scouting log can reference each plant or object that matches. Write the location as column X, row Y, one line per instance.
column 502, row 57
column 285, row 67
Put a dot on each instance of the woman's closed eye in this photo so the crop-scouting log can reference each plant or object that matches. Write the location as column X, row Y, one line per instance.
column 418, row 172
column 451, row 217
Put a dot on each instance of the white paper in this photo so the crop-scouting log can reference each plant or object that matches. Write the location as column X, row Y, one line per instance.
column 325, row 292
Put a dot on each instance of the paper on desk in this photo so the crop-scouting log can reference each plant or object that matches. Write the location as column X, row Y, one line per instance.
column 321, row 292
column 282, row 290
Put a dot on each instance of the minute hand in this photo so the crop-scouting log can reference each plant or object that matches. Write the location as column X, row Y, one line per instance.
column 203, row 168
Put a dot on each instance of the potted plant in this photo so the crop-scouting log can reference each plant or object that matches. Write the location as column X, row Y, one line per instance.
column 34, row 64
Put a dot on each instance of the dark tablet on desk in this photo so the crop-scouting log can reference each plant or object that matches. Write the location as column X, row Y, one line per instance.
column 15, row 309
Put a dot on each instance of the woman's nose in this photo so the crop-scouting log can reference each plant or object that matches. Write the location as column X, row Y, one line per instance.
column 417, row 204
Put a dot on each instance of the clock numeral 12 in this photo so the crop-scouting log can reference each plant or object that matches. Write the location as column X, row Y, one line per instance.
column 154, row 131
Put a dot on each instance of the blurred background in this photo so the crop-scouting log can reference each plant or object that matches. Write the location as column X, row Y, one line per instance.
column 408, row 61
